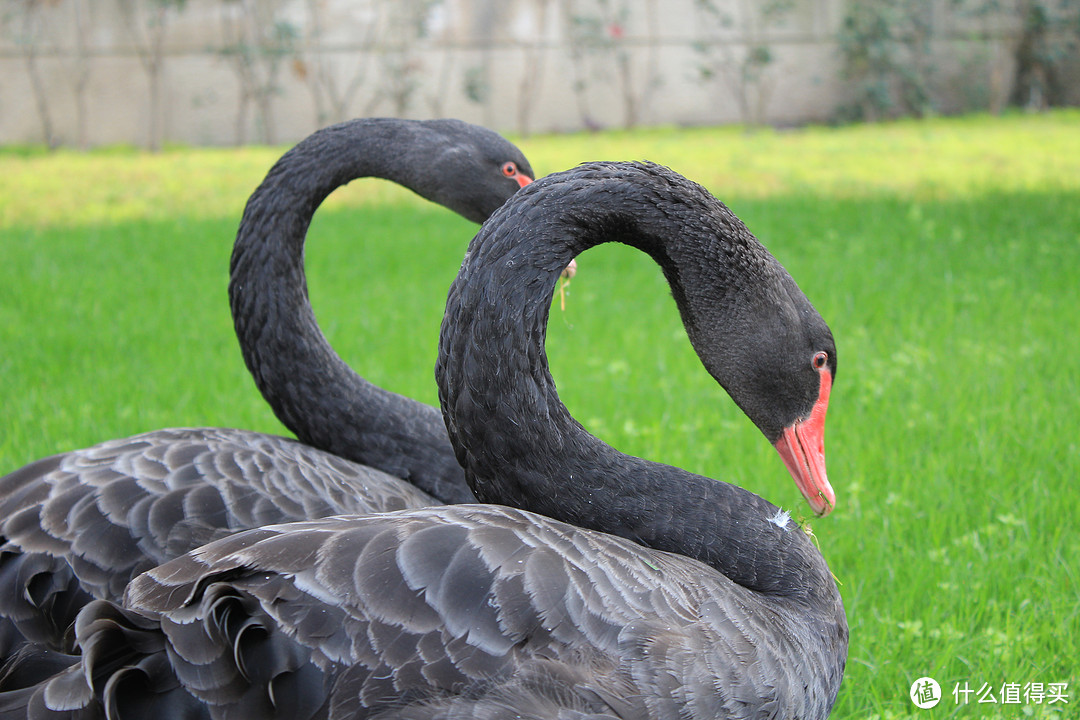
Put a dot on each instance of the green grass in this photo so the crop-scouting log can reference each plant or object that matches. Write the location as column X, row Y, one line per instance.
column 944, row 254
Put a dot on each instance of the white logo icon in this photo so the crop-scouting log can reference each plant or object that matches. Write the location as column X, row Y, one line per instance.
column 925, row 693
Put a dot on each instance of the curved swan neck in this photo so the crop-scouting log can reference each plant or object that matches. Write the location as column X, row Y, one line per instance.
column 515, row 438
column 309, row 387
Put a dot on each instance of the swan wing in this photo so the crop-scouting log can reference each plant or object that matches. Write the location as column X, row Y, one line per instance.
column 83, row 523
column 482, row 607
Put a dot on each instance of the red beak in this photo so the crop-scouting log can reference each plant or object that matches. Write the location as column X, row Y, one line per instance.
column 802, row 447
column 523, row 179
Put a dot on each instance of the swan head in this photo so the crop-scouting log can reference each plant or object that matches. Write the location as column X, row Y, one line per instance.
column 468, row 168
column 787, row 392
column 765, row 343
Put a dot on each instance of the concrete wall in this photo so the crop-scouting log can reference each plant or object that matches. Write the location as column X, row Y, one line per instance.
column 514, row 65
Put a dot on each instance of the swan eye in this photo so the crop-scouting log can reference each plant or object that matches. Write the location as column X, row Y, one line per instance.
column 509, row 169
column 820, row 358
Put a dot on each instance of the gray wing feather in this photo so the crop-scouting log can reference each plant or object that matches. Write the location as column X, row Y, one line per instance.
column 450, row 612
column 459, row 611
column 84, row 523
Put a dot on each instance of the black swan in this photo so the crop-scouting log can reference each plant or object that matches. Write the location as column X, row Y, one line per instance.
column 466, row 168
column 646, row 591
column 83, row 523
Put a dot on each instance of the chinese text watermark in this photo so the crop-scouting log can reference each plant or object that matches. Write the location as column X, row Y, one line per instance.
column 926, row 693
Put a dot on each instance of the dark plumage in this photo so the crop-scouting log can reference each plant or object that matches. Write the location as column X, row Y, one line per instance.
column 313, row 392
column 82, row 524
column 646, row 591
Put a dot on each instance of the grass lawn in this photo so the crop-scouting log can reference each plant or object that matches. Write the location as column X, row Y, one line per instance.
column 944, row 254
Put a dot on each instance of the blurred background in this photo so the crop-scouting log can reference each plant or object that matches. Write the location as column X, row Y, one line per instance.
column 220, row 72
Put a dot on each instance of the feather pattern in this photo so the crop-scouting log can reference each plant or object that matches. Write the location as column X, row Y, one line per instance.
column 597, row 624
column 86, row 522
